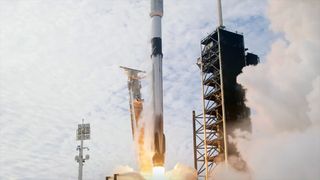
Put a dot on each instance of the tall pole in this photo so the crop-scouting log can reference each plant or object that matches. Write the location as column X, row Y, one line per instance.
column 80, row 161
column 223, row 103
column 194, row 140
column 220, row 13
column 83, row 133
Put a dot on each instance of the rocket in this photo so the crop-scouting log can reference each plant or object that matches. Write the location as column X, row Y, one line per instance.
column 157, row 88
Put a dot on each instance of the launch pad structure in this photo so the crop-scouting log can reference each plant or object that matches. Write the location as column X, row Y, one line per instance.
column 223, row 55
column 223, row 110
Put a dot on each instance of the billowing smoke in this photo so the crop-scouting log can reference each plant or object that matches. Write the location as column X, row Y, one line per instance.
column 284, row 95
column 126, row 173
column 180, row 172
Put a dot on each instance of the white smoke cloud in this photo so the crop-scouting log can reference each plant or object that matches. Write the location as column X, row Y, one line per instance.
column 283, row 93
column 179, row 172
column 126, row 173
column 182, row 172
column 314, row 102
column 226, row 172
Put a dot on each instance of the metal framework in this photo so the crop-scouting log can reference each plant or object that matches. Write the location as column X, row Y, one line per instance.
column 138, row 126
column 135, row 98
column 209, row 127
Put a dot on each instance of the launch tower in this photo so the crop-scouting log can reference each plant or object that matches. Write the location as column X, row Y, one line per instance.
column 223, row 55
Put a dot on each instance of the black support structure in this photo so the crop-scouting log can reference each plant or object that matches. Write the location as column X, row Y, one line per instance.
column 222, row 58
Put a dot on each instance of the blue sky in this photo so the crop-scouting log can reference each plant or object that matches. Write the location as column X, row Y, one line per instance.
column 60, row 63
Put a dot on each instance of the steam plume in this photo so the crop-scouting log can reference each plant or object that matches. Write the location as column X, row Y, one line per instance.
column 283, row 93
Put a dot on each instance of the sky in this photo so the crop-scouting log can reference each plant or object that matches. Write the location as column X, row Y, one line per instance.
column 59, row 63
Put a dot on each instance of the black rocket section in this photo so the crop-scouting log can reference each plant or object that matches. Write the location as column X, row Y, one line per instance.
column 156, row 45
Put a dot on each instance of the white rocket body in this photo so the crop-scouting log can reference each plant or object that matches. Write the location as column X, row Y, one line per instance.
column 157, row 88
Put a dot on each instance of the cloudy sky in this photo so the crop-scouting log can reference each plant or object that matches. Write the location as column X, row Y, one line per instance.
column 59, row 63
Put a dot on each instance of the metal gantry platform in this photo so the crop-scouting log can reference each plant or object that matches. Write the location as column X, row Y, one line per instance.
column 209, row 126
column 222, row 58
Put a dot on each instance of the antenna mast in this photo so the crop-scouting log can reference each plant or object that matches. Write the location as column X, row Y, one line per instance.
column 83, row 133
